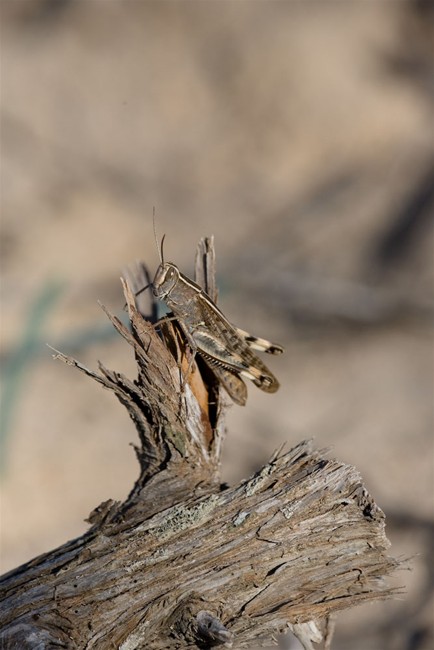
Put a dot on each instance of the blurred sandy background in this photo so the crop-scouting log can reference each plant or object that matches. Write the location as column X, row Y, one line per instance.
column 300, row 134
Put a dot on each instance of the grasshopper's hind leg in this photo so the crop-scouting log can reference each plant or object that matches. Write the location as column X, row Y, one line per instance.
column 262, row 345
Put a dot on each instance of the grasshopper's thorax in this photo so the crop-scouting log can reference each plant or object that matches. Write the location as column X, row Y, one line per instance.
column 165, row 280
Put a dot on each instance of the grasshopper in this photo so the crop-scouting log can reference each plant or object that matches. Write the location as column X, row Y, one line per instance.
column 226, row 349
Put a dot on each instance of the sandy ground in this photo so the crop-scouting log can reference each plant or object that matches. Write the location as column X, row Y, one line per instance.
column 300, row 135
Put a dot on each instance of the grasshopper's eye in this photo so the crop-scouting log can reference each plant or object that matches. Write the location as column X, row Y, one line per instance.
column 170, row 274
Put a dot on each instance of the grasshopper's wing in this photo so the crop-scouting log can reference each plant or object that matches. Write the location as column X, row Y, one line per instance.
column 237, row 358
column 233, row 384
column 262, row 345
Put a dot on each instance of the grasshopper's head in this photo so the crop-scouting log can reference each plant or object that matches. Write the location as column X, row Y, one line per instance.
column 166, row 277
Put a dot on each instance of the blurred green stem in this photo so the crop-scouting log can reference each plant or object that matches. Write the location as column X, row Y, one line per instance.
column 15, row 368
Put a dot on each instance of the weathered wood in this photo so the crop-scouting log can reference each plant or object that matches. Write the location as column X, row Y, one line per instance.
column 184, row 562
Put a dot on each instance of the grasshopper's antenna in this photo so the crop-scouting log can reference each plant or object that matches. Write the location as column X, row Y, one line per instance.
column 142, row 290
column 161, row 252
column 159, row 248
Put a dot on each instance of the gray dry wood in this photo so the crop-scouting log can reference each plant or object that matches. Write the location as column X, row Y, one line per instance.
column 184, row 562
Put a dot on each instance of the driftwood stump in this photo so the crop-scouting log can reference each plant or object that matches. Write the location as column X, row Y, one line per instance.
column 185, row 562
